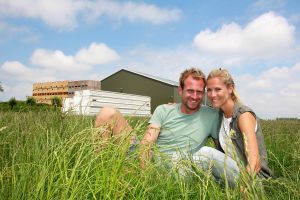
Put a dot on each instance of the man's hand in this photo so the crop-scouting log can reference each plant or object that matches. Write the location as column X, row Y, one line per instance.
column 149, row 139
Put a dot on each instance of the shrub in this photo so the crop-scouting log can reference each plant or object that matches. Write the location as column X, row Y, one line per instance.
column 12, row 102
column 56, row 102
column 30, row 101
column 1, row 88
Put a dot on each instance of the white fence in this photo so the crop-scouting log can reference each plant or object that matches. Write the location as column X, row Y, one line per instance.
column 90, row 102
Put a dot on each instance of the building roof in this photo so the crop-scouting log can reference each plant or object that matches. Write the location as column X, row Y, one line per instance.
column 163, row 80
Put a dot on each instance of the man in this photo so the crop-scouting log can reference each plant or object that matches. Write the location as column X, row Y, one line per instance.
column 176, row 129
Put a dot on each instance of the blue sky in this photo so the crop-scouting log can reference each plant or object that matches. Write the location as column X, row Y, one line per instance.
column 258, row 41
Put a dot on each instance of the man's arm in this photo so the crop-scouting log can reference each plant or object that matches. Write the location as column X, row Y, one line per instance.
column 149, row 139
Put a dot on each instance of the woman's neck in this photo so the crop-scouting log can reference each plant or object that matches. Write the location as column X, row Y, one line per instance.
column 227, row 108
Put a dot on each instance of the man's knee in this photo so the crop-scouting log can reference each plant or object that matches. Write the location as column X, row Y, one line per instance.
column 204, row 154
column 108, row 112
column 206, row 150
column 106, row 115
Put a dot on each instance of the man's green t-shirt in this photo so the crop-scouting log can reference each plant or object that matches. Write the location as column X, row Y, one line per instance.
column 184, row 133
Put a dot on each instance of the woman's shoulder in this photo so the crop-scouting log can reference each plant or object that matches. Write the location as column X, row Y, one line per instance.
column 240, row 108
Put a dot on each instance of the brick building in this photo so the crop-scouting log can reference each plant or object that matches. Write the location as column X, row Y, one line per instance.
column 44, row 92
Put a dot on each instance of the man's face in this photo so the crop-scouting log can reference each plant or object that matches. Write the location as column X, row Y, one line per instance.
column 191, row 95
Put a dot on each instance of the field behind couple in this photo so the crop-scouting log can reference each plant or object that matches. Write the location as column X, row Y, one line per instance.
column 50, row 155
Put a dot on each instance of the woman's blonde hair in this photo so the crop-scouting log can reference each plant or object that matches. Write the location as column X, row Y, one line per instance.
column 227, row 79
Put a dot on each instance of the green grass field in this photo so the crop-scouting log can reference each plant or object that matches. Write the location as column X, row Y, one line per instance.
column 49, row 155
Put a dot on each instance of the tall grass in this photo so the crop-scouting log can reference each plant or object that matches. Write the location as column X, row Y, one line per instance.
column 49, row 155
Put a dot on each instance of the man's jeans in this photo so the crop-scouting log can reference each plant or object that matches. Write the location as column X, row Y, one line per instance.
column 224, row 168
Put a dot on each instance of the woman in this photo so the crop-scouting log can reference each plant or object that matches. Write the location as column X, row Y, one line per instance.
column 240, row 136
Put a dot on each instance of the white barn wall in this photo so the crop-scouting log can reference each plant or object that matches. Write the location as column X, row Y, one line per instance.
column 90, row 102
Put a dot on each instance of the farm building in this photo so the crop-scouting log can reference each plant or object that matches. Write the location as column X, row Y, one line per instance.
column 160, row 90
column 45, row 91
column 90, row 102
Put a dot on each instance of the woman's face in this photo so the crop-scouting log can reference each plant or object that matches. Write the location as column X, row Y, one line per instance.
column 217, row 92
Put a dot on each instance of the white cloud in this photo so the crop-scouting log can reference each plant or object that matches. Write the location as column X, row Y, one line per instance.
column 19, row 91
column 96, row 54
column 65, row 14
column 13, row 29
column 151, row 13
column 167, row 63
column 23, row 33
column 272, row 93
column 133, row 12
column 14, row 70
column 17, row 70
column 56, row 60
column 267, row 36
column 56, row 13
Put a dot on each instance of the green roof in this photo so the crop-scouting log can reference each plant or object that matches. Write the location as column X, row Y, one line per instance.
column 163, row 80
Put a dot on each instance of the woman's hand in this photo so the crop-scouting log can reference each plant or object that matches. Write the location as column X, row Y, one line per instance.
column 253, row 169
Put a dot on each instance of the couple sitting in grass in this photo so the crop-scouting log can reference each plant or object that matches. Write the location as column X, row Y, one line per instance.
column 180, row 131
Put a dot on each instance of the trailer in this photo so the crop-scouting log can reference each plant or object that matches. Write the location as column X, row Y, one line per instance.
column 90, row 102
